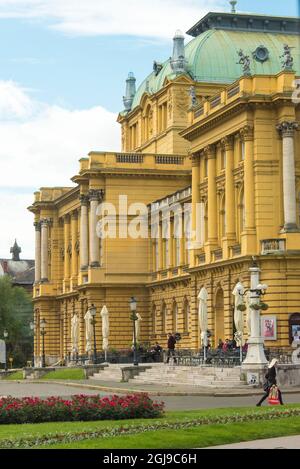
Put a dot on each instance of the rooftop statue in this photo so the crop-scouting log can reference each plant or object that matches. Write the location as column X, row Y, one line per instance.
column 245, row 61
column 193, row 97
column 288, row 60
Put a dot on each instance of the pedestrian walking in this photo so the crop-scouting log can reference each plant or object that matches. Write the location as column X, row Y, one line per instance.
column 270, row 382
column 171, row 347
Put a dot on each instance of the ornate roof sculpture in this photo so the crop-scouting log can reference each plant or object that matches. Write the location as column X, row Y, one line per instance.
column 210, row 57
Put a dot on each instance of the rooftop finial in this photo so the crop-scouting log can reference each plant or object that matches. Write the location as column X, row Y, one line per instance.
column 130, row 91
column 178, row 62
column 233, row 5
column 15, row 251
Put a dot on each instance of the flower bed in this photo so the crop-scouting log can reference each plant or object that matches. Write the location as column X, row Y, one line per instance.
column 78, row 408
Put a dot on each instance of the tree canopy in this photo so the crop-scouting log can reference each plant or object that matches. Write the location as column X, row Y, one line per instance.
column 16, row 312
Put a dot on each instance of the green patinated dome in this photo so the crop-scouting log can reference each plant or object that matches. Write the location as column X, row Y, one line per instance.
column 213, row 57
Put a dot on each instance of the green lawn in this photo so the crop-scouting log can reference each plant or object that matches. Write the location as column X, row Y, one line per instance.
column 184, row 438
column 18, row 375
column 72, row 373
column 198, row 437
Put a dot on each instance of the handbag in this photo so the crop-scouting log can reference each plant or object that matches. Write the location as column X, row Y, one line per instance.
column 273, row 396
column 266, row 386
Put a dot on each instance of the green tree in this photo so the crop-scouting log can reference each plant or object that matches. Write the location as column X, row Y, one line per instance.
column 16, row 312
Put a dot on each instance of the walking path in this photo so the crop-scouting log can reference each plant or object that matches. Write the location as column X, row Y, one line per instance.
column 175, row 400
column 161, row 390
column 289, row 442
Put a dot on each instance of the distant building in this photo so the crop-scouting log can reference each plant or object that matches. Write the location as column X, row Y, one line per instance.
column 20, row 271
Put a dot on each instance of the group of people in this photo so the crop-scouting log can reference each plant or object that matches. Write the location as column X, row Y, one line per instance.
column 230, row 345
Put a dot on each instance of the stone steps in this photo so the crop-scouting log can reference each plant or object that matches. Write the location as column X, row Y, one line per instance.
column 199, row 376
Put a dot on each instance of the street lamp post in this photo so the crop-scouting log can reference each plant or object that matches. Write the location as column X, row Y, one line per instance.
column 43, row 324
column 5, row 335
column 32, row 328
column 255, row 357
column 134, row 318
column 93, row 312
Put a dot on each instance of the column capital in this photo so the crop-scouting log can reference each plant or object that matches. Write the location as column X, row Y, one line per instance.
column 74, row 215
column 287, row 129
column 45, row 222
column 67, row 218
column 210, row 152
column 37, row 225
column 227, row 143
column 96, row 195
column 247, row 133
column 84, row 199
column 194, row 157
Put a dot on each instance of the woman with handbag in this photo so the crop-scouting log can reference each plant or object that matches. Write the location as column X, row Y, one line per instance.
column 270, row 382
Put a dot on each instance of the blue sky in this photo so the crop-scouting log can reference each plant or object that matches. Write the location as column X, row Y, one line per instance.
column 63, row 66
column 57, row 66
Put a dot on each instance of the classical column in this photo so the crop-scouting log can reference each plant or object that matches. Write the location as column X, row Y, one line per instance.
column 229, row 188
column 95, row 197
column 195, row 200
column 37, row 226
column 84, row 233
column 210, row 152
column 67, row 236
column 44, row 249
column 74, row 238
column 247, row 136
column 287, row 130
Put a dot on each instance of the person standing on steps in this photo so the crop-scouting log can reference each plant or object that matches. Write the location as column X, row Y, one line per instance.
column 171, row 347
column 270, row 381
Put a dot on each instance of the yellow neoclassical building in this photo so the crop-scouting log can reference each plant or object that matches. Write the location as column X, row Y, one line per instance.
column 212, row 133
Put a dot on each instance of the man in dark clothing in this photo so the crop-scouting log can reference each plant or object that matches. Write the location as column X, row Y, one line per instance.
column 171, row 347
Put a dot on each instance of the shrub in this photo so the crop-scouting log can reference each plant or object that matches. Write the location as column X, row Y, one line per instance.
column 78, row 408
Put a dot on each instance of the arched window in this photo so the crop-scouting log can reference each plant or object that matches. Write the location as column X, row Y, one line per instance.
column 186, row 314
column 174, row 317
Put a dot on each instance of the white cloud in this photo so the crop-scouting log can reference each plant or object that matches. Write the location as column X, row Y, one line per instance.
column 156, row 18
column 14, row 101
column 41, row 146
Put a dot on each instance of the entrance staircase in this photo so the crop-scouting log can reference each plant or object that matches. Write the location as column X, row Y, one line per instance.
column 206, row 377
column 170, row 375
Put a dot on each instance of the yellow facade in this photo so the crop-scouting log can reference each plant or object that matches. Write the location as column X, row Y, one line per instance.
column 227, row 155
